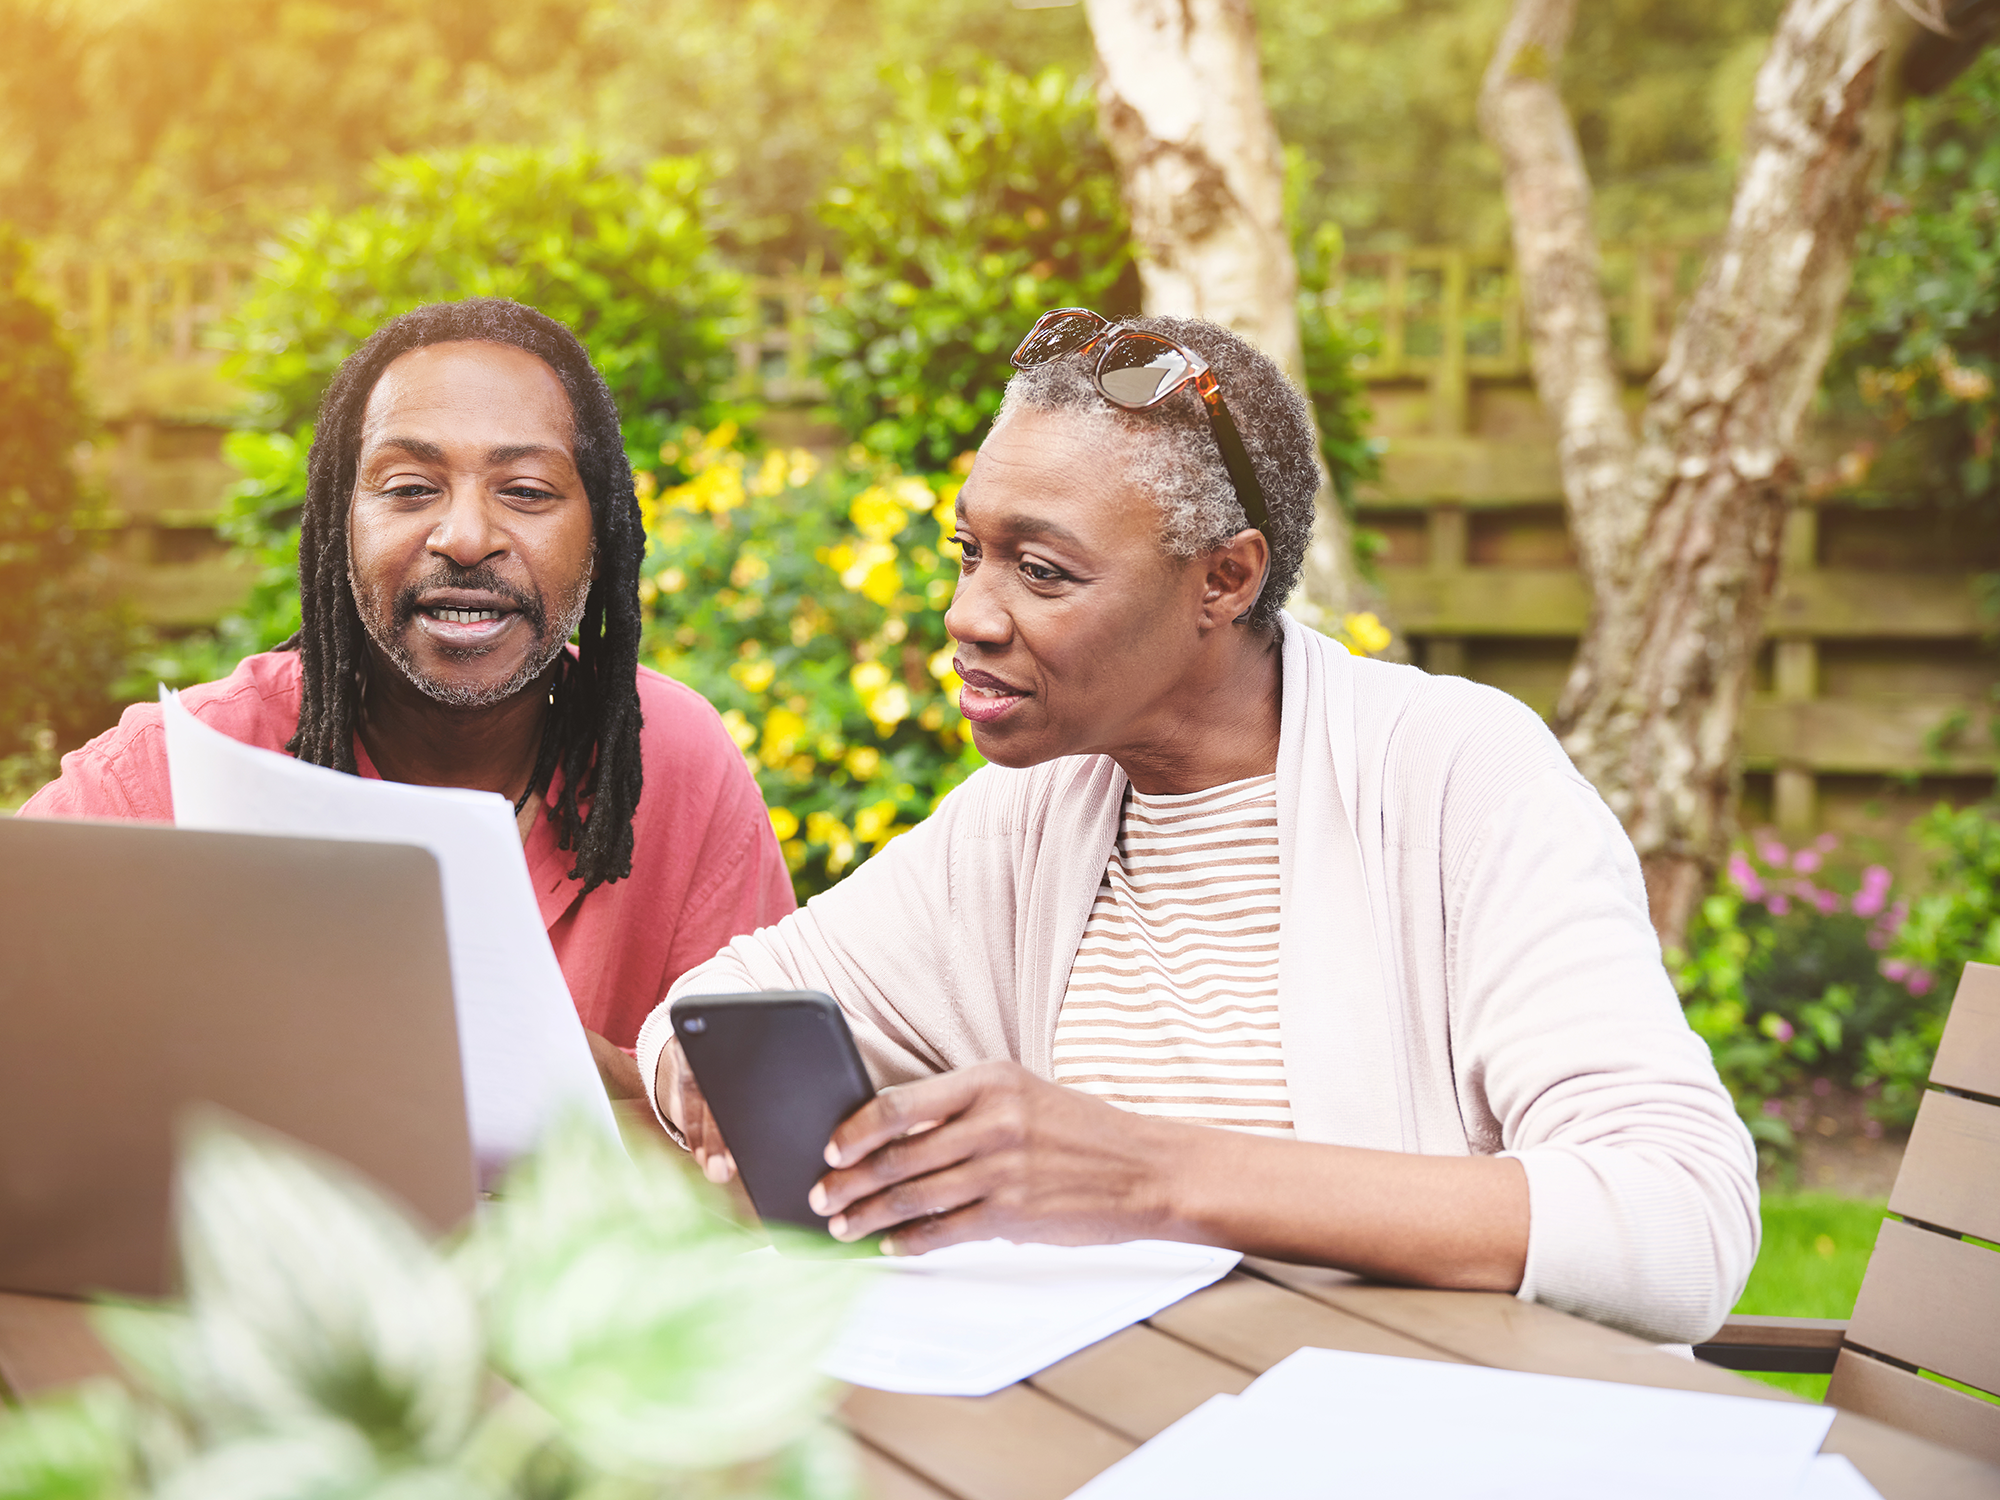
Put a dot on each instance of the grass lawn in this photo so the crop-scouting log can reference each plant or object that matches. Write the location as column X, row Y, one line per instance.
column 1815, row 1248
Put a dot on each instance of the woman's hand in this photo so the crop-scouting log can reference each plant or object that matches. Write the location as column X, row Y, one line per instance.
column 992, row 1151
column 681, row 1101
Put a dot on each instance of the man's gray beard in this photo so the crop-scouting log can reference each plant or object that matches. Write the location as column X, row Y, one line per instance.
column 562, row 625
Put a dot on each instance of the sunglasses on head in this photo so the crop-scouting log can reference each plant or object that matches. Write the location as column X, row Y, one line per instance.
column 1136, row 369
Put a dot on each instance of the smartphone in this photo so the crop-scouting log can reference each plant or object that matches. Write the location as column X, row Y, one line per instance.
column 780, row 1071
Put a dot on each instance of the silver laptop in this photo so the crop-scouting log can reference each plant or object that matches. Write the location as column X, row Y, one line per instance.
column 300, row 983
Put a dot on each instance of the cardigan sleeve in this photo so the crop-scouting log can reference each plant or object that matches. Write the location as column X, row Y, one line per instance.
column 922, row 992
column 1641, row 1179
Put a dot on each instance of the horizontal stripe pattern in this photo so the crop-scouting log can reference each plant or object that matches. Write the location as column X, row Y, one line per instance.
column 1172, row 1006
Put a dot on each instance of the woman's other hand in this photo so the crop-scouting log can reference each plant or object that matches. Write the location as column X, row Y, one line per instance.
column 681, row 1101
column 992, row 1151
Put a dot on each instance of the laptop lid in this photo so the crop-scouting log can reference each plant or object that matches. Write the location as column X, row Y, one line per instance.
column 301, row 983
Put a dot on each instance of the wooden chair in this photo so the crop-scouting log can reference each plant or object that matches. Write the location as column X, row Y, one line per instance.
column 1930, row 1301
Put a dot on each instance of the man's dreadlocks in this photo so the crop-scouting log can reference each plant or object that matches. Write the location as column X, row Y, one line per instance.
column 592, row 733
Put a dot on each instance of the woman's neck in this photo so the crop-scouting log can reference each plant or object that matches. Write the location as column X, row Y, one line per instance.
column 1225, row 724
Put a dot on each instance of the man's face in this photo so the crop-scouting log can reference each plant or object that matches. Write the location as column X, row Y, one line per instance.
column 470, row 547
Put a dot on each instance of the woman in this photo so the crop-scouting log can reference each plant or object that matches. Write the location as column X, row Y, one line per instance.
column 1240, row 939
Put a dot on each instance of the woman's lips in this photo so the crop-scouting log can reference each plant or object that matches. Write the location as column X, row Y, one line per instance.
column 985, row 698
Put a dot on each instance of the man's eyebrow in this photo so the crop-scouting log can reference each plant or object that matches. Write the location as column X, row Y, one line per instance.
column 419, row 448
column 506, row 453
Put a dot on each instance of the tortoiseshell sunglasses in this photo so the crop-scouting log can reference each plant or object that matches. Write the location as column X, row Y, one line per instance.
column 1136, row 369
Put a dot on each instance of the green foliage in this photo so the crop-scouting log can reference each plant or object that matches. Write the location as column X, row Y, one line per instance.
column 1334, row 385
column 982, row 204
column 623, row 259
column 60, row 631
column 807, row 604
column 598, row 1331
column 1920, row 346
column 1785, row 977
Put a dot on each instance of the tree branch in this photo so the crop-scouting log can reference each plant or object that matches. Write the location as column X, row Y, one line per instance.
column 1555, row 252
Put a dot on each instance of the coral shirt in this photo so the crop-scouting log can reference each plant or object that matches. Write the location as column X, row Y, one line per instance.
column 705, row 865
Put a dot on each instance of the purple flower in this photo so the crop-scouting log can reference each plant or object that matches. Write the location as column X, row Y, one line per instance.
column 1826, row 843
column 1874, row 892
column 1773, row 1107
column 1895, row 969
column 1778, row 905
column 1825, row 902
column 1920, row 981
column 1806, row 861
column 1773, row 853
column 1782, row 1029
column 1743, row 876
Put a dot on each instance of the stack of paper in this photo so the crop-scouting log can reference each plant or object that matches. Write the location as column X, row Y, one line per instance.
column 969, row 1319
column 522, row 1048
column 1327, row 1422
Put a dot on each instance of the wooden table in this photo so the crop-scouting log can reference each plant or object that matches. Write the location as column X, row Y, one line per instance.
column 1042, row 1438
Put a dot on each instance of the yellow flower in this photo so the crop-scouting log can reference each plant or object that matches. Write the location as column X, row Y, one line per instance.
column 784, row 823
column 739, row 729
column 671, row 580
column 942, row 670
column 755, row 675
column 872, row 822
column 783, row 730
column 1365, row 633
column 749, row 569
column 863, row 761
column 770, row 474
column 869, row 677
column 876, row 515
column 889, row 707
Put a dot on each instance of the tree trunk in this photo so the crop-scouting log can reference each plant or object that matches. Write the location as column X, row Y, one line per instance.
column 1181, row 102
column 1677, row 527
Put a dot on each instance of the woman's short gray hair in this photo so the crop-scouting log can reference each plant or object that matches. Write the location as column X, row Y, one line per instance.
column 1171, row 452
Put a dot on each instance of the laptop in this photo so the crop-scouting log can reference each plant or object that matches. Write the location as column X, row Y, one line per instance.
column 302, row 984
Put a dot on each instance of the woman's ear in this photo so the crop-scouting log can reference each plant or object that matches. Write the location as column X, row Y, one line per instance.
column 1234, row 578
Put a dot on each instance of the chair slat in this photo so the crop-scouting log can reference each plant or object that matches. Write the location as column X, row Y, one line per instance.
column 1969, row 1055
column 1951, row 1169
column 1932, row 1301
column 1870, row 1388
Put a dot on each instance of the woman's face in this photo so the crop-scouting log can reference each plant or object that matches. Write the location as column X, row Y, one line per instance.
column 1075, row 631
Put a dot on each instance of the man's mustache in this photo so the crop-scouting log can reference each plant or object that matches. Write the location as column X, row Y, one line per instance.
column 482, row 579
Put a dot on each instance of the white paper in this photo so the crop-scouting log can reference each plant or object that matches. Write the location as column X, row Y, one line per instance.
column 969, row 1319
column 1831, row 1476
column 1326, row 1423
column 521, row 1046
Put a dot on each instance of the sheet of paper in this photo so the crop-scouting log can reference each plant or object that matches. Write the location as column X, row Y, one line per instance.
column 967, row 1320
column 523, row 1050
column 1830, row 1476
column 1327, row 1422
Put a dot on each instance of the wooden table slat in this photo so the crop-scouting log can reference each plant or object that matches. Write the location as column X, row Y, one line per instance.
column 882, row 1478
column 1254, row 1323
column 46, row 1342
column 1016, row 1444
column 1500, row 1330
column 1140, row 1382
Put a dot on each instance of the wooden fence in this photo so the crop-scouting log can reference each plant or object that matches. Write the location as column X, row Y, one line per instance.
column 1876, row 683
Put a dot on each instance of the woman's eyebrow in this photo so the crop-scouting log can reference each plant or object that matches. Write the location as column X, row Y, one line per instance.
column 506, row 453
column 1037, row 526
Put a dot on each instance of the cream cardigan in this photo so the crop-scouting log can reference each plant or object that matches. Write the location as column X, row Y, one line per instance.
column 1465, row 966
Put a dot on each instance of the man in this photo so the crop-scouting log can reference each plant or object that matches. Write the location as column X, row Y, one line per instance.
column 469, row 508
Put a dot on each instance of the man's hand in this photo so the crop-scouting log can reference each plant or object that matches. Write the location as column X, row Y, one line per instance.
column 617, row 1067
column 681, row 1101
column 992, row 1151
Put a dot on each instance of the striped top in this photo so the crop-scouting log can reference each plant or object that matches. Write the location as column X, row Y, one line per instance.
column 1172, row 1006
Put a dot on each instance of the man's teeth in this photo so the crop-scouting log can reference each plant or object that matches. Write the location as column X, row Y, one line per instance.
column 465, row 616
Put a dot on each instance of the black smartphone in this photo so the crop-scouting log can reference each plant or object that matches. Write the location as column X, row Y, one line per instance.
column 780, row 1071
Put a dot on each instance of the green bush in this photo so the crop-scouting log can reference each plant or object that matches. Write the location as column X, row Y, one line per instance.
column 62, row 634
column 983, row 203
column 806, row 602
column 624, row 260
column 1921, row 343
column 1787, row 976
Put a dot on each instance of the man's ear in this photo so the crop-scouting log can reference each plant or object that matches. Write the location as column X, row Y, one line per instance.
column 1233, row 577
